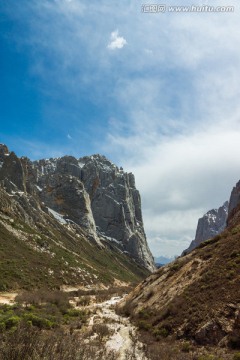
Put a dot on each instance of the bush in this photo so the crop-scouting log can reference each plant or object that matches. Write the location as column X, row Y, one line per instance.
column 186, row 347
column 12, row 322
column 28, row 343
column 39, row 322
column 84, row 301
column 144, row 314
column 235, row 230
column 40, row 297
column 210, row 241
column 101, row 330
column 160, row 332
column 143, row 325
column 236, row 356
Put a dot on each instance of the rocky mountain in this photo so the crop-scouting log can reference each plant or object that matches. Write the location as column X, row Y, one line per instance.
column 196, row 297
column 75, row 205
column 234, row 198
column 212, row 223
column 163, row 260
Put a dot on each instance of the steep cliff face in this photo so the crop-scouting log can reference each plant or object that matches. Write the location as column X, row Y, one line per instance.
column 12, row 172
column 235, row 197
column 90, row 192
column 116, row 206
column 211, row 224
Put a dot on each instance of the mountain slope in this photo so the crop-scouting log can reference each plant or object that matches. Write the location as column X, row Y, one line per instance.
column 48, row 234
column 47, row 253
column 90, row 192
column 197, row 296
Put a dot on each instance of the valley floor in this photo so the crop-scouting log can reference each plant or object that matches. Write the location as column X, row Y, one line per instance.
column 118, row 337
column 91, row 329
column 122, row 338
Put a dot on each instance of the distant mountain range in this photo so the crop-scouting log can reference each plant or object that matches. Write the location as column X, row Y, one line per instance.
column 163, row 260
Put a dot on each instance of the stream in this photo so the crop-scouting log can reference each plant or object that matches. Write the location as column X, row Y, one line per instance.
column 123, row 339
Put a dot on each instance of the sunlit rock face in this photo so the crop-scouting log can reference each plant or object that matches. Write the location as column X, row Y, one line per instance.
column 116, row 206
column 90, row 192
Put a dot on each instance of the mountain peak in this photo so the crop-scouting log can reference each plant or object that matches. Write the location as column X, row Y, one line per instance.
column 3, row 151
column 212, row 223
column 91, row 192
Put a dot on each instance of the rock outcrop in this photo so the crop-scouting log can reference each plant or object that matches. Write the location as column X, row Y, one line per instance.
column 116, row 206
column 90, row 192
column 3, row 152
column 211, row 224
column 235, row 197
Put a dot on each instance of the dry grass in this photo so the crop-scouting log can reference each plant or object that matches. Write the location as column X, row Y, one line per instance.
column 177, row 300
column 27, row 343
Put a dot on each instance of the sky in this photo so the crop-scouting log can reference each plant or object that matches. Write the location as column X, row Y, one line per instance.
column 157, row 93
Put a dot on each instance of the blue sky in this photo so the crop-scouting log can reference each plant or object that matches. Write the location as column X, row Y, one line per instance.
column 156, row 93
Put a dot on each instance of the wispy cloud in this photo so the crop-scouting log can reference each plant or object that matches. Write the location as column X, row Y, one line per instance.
column 116, row 41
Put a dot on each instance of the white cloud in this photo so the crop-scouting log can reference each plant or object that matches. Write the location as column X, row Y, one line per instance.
column 69, row 137
column 172, row 100
column 180, row 178
column 117, row 42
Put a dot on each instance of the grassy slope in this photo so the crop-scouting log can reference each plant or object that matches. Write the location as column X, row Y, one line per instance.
column 58, row 258
column 202, row 287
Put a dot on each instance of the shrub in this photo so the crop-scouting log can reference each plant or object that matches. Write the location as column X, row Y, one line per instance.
column 2, row 326
column 176, row 266
column 39, row 322
column 235, row 230
column 42, row 296
column 101, row 330
column 84, row 301
column 186, row 347
column 76, row 312
column 12, row 322
column 143, row 325
column 210, row 241
column 28, row 343
column 161, row 332
column 144, row 314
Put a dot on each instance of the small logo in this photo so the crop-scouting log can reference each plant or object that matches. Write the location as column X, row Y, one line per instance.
column 153, row 8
